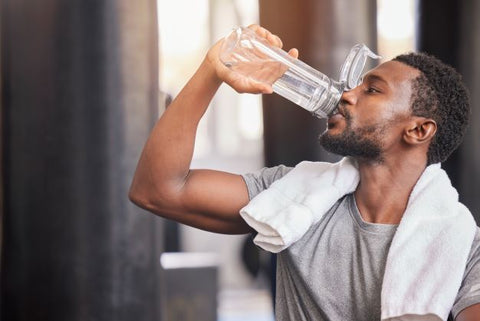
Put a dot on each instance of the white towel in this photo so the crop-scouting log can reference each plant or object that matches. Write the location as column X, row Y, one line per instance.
column 428, row 254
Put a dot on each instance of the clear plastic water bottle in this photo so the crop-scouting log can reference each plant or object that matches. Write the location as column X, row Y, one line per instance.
column 251, row 55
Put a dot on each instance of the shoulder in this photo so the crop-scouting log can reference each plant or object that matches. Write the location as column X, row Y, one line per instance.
column 262, row 179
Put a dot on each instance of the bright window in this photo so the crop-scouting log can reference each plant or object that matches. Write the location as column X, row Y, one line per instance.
column 230, row 136
column 395, row 27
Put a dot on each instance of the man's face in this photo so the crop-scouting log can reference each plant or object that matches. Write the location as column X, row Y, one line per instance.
column 371, row 116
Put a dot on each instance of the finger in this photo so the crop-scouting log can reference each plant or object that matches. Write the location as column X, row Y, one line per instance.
column 267, row 89
column 263, row 88
column 264, row 33
column 293, row 53
column 259, row 30
column 275, row 40
column 258, row 87
column 246, row 85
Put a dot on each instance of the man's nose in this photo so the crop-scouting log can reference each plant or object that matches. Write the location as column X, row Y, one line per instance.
column 349, row 97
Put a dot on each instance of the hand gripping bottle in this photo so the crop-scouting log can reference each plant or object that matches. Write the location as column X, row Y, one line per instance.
column 245, row 52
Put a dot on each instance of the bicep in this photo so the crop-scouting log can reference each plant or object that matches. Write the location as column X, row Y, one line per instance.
column 209, row 200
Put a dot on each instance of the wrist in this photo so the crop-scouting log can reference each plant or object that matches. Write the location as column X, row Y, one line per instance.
column 208, row 70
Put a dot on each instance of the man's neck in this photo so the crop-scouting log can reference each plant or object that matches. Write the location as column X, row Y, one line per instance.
column 384, row 189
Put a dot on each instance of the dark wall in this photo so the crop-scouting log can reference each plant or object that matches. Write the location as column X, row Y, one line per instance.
column 79, row 96
column 469, row 65
column 450, row 30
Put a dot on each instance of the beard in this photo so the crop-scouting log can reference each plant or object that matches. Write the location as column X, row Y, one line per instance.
column 361, row 143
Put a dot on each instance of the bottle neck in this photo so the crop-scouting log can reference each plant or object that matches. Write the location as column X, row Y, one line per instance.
column 332, row 98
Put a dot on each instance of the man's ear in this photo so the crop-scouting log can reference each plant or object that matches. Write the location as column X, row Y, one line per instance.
column 419, row 130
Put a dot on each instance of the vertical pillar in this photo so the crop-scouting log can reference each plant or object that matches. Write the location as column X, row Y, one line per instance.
column 469, row 66
column 323, row 31
column 442, row 41
column 455, row 41
column 79, row 96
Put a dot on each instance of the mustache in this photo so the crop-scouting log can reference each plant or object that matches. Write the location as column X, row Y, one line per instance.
column 341, row 108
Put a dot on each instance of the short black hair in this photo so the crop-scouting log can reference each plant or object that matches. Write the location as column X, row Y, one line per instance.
column 439, row 93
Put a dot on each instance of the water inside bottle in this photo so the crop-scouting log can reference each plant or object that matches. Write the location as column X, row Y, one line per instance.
column 317, row 95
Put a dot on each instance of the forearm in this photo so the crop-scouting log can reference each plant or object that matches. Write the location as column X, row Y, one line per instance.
column 163, row 182
column 165, row 160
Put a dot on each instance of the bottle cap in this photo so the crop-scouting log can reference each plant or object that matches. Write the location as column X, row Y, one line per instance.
column 353, row 66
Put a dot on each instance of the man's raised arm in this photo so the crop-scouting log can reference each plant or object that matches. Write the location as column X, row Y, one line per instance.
column 164, row 183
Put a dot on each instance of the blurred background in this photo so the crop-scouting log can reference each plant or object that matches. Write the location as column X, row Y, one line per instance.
column 82, row 83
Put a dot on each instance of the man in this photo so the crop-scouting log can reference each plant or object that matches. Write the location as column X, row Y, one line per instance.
column 406, row 114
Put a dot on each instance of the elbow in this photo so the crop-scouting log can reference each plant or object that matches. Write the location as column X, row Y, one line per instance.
column 149, row 198
column 138, row 196
column 142, row 200
column 134, row 196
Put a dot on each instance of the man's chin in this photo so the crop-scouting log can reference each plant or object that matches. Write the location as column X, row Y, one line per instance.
column 332, row 143
column 350, row 145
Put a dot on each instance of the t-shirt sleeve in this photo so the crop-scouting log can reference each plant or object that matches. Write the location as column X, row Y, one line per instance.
column 469, row 293
column 263, row 178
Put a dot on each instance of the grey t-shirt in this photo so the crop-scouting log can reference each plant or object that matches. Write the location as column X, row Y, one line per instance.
column 335, row 271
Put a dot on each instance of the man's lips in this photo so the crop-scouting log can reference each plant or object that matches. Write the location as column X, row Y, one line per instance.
column 338, row 115
column 340, row 110
column 334, row 118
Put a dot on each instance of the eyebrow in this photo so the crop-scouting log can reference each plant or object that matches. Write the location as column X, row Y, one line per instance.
column 374, row 77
